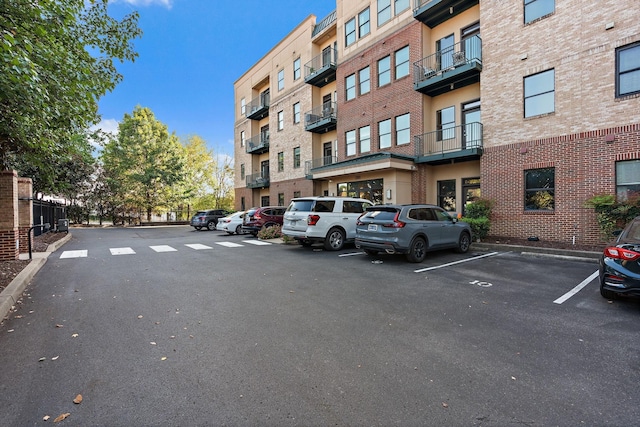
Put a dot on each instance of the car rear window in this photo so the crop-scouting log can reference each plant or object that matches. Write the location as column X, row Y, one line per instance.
column 324, row 206
column 300, row 205
column 381, row 214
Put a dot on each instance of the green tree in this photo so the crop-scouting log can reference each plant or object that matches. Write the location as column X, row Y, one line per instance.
column 145, row 166
column 57, row 60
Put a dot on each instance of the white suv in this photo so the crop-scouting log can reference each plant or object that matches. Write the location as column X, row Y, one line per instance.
column 329, row 220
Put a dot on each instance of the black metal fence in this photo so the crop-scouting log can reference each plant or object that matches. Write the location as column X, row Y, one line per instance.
column 47, row 212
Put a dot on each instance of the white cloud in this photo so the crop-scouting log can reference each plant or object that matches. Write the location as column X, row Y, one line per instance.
column 165, row 3
column 107, row 126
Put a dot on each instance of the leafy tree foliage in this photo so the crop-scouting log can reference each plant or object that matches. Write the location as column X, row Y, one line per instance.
column 57, row 59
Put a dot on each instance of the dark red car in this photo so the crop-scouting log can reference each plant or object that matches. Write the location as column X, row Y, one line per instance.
column 255, row 219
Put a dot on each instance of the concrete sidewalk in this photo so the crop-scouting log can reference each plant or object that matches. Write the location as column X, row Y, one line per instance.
column 12, row 293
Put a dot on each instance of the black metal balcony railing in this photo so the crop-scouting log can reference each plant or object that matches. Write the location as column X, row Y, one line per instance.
column 450, row 140
column 326, row 22
column 309, row 165
column 459, row 64
column 321, row 119
column 434, row 12
column 258, row 144
column 258, row 180
column 258, row 108
column 321, row 70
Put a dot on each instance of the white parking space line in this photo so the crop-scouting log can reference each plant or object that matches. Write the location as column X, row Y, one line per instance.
column 577, row 289
column 74, row 254
column 229, row 244
column 256, row 242
column 122, row 251
column 163, row 248
column 435, row 267
column 197, row 246
column 352, row 254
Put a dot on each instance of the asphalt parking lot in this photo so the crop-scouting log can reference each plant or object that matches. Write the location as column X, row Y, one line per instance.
column 176, row 327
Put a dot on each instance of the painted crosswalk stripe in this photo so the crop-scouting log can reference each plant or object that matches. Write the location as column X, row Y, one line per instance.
column 229, row 244
column 256, row 242
column 197, row 246
column 121, row 251
column 163, row 248
column 74, row 254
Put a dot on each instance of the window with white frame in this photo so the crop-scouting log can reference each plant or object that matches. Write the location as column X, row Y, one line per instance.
column 350, row 87
column 403, row 129
column 446, row 123
column 296, row 157
column 350, row 138
column 280, row 120
column 384, row 11
column 364, row 23
column 280, row 161
column 400, row 6
column 281, row 79
column 243, row 106
column 384, row 71
column 384, row 133
column 296, row 112
column 350, row 32
column 365, row 139
column 402, row 62
column 364, row 76
column 627, row 180
column 536, row 9
column 242, row 138
column 539, row 93
column 628, row 70
column 296, row 69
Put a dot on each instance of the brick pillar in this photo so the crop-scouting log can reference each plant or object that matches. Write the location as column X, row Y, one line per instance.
column 25, row 212
column 9, row 243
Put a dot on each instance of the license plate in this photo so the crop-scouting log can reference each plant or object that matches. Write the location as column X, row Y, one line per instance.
column 372, row 227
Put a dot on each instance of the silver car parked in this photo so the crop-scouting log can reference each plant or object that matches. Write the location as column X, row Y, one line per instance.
column 412, row 230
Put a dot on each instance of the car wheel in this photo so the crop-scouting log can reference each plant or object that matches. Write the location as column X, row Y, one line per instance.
column 371, row 252
column 463, row 243
column 198, row 228
column 211, row 226
column 238, row 230
column 417, row 250
column 334, row 240
column 606, row 293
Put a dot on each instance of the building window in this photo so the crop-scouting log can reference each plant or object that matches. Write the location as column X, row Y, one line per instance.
column 350, row 32
column 627, row 180
column 384, row 11
column 264, row 201
column 384, row 71
column 243, row 106
column 402, row 62
column 296, row 157
column 447, row 195
column 364, row 76
column 539, row 192
column 281, row 79
column 242, row 139
column 242, row 171
column 296, row 69
column 280, row 199
column 365, row 139
column 403, row 129
column 364, row 23
column 384, row 133
column 446, row 123
column 350, row 85
column 280, row 120
column 536, row 9
column 296, row 112
column 400, row 6
column 296, row 194
column 539, row 94
column 351, row 143
column 280, row 161
column 628, row 70
column 370, row 190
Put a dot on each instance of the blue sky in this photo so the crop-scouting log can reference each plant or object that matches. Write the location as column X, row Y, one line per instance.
column 191, row 53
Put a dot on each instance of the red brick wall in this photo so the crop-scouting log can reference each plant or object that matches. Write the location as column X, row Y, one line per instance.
column 584, row 166
column 8, row 215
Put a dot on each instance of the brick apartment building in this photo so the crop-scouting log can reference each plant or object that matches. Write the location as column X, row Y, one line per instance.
column 534, row 104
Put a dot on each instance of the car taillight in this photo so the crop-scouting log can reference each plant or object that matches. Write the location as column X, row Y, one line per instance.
column 358, row 221
column 396, row 222
column 257, row 216
column 313, row 219
column 620, row 253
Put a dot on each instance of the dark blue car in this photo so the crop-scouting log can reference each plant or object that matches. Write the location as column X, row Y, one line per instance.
column 620, row 263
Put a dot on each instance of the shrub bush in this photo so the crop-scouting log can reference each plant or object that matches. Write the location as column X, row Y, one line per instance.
column 479, row 226
column 477, row 215
column 611, row 214
column 272, row 232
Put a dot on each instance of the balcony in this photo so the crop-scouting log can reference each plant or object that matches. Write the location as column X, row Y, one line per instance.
column 321, row 119
column 309, row 165
column 456, row 144
column 435, row 12
column 258, row 180
column 449, row 69
column 258, row 144
column 258, row 108
column 321, row 70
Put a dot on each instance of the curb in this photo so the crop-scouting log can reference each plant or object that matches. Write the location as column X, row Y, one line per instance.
column 588, row 256
column 12, row 293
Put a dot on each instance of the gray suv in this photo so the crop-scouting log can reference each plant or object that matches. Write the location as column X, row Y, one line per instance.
column 208, row 219
column 412, row 230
